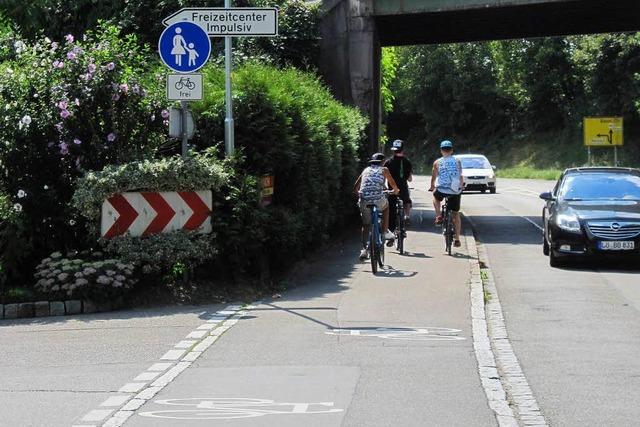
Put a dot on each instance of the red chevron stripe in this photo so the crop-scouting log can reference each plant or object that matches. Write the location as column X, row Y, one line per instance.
column 163, row 210
column 200, row 210
column 127, row 215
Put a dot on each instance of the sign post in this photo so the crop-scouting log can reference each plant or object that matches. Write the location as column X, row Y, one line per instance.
column 227, row 22
column 603, row 132
column 229, row 136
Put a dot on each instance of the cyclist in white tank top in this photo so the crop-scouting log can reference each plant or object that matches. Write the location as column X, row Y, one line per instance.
column 370, row 188
column 447, row 181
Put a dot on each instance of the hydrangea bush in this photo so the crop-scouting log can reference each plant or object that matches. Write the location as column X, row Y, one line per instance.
column 69, row 106
column 87, row 277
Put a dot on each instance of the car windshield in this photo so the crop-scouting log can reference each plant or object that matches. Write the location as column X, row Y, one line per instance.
column 601, row 186
column 475, row 163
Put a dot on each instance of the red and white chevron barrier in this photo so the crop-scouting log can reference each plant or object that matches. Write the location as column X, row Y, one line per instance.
column 145, row 213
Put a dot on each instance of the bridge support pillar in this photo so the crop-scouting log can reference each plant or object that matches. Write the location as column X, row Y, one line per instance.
column 350, row 62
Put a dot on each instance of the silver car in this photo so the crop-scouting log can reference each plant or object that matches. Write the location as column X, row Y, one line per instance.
column 477, row 173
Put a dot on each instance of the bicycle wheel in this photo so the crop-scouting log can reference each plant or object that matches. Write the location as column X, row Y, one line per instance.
column 380, row 253
column 400, row 229
column 449, row 233
column 373, row 250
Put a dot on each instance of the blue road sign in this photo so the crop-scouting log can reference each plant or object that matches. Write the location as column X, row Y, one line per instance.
column 184, row 47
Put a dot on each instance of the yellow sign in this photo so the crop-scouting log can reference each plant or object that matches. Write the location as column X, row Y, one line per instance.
column 603, row 132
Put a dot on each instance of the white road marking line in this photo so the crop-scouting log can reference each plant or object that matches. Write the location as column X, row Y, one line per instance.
column 204, row 336
column 173, row 354
column 191, row 356
column 205, row 343
column 132, row 387
column 146, row 376
column 116, row 401
column 207, row 326
column 535, row 224
column 160, row 366
column 97, row 415
column 84, row 425
column 185, row 344
column 197, row 334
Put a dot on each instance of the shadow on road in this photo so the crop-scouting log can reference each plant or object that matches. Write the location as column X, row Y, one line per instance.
column 391, row 272
column 415, row 255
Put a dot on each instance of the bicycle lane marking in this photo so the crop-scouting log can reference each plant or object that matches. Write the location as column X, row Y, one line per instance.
column 220, row 408
column 115, row 410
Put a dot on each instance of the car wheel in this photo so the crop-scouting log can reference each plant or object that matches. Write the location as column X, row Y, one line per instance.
column 484, row 190
column 554, row 260
column 545, row 245
column 493, row 190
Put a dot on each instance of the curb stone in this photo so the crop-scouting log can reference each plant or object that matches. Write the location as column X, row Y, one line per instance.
column 56, row 308
column 11, row 311
column 25, row 310
column 521, row 406
column 73, row 306
column 41, row 309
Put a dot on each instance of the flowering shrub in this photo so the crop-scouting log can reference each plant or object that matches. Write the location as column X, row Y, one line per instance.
column 69, row 106
column 79, row 277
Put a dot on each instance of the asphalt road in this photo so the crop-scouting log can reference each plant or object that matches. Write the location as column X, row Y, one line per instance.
column 576, row 331
column 345, row 348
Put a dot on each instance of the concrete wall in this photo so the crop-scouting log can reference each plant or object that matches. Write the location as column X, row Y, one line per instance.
column 350, row 61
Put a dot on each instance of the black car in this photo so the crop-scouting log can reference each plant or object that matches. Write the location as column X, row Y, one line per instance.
column 592, row 212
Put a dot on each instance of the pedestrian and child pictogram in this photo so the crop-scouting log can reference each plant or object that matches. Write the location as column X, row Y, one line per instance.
column 184, row 47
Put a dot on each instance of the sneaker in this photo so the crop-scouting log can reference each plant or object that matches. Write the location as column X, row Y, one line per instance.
column 364, row 254
column 389, row 235
column 439, row 219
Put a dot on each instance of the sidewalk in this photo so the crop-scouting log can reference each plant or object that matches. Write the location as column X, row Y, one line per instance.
column 344, row 348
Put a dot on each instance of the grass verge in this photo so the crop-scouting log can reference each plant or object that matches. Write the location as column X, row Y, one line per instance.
column 528, row 172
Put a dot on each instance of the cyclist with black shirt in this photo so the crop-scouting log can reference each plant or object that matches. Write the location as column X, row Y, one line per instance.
column 402, row 172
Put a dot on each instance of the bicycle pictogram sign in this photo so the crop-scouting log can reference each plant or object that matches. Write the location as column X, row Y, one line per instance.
column 221, row 408
column 411, row 334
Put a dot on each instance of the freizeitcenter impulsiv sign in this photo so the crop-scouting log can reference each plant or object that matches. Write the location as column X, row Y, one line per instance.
column 241, row 21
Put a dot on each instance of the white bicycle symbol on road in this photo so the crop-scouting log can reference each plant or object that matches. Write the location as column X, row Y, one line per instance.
column 233, row 408
column 410, row 334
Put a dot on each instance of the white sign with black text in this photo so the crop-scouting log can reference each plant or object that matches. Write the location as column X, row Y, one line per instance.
column 184, row 87
column 235, row 21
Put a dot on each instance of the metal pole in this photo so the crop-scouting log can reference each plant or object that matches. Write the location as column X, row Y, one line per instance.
column 228, row 121
column 615, row 156
column 185, row 135
column 588, row 156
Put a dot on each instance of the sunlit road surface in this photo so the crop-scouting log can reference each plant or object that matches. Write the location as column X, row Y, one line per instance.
column 342, row 347
column 576, row 331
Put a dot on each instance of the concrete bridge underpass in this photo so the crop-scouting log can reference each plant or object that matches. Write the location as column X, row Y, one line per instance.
column 354, row 31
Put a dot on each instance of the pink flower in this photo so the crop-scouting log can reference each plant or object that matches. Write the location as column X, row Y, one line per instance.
column 165, row 114
column 64, row 148
column 115, row 97
column 64, row 114
column 92, row 68
column 58, row 64
column 124, row 87
column 71, row 56
column 111, row 137
column 69, row 38
column 59, row 128
column 77, row 141
column 54, row 45
column 62, row 105
column 111, row 66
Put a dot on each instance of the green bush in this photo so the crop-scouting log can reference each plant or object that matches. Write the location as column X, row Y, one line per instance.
column 287, row 125
column 197, row 172
column 69, row 107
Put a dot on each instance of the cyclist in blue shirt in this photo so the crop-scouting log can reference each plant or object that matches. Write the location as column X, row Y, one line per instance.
column 447, row 181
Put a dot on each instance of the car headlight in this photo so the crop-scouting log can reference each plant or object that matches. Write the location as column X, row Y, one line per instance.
column 568, row 222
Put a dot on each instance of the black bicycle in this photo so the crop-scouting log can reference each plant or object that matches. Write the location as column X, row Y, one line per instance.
column 400, row 231
column 448, row 228
column 376, row 239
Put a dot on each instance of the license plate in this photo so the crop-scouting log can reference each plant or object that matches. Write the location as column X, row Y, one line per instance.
column 616, row 246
